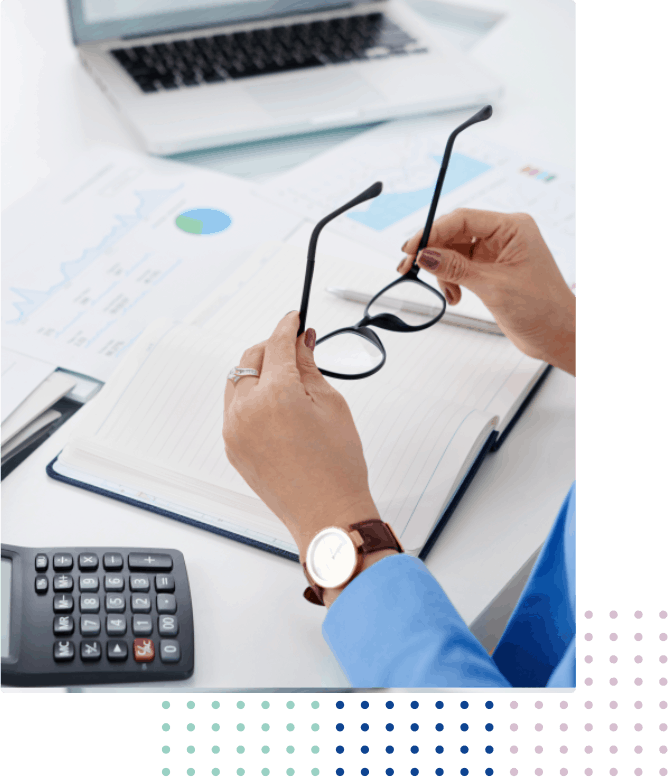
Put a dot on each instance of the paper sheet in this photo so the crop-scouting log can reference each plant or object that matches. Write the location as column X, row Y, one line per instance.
column 20, row 377
column 115, row 241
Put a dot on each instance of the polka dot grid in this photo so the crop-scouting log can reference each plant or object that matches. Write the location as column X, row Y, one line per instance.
column 638, row 660
column 240, row 728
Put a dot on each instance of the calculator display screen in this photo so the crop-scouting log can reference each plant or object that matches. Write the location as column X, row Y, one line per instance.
column 6, row 592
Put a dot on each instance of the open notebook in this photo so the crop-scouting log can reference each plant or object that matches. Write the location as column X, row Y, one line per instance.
column 153, row 435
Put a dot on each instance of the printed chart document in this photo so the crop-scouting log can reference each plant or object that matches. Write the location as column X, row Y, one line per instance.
column 115, row 241
column 406, row 157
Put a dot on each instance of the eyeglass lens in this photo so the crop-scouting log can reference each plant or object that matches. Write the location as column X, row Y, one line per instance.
column 347, row 353
column 414, row 303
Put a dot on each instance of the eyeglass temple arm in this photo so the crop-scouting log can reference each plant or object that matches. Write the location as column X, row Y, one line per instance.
column 368, row 194
column 482, row 115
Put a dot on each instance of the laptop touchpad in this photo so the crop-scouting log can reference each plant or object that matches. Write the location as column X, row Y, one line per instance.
column 320, row 92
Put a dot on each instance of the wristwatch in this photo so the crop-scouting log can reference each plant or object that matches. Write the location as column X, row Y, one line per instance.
column 334, row 556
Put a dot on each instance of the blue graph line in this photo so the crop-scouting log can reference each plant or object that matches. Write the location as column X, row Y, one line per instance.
column 149, row 200
column 389, row 208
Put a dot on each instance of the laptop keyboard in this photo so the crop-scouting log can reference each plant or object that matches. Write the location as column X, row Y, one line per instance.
column 196, row 61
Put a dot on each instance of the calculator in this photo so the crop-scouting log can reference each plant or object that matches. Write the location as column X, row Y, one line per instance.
column 80, row 616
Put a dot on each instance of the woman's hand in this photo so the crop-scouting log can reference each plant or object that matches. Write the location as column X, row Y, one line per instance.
column 504, row 260
column 292, row 438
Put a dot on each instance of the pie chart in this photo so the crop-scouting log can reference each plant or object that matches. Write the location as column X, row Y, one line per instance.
column 203, row 221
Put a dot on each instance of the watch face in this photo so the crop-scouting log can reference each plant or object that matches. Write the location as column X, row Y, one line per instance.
column 331, row 558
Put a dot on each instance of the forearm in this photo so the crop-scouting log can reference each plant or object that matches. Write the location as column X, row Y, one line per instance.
column 394, row 626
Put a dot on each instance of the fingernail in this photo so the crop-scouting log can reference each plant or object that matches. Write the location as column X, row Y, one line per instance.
column 448, row 296
column 403, row 247
column 399, row 266
column 429, row 259
column 310, row 338
column 288, row 313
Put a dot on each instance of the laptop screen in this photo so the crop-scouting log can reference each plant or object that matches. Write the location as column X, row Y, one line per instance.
column 94, row 20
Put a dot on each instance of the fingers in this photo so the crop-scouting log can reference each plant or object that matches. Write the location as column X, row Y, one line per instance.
column 252, row 357
column 312, row 379
column 457, row 228
column 280, row 354
column 450, row 267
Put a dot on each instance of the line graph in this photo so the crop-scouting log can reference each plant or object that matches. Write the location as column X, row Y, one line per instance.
column 32, row 299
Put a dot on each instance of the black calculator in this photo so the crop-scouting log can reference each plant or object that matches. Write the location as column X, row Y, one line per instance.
column 80, row 616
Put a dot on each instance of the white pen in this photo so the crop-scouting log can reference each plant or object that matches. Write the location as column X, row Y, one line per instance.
column 452, row 319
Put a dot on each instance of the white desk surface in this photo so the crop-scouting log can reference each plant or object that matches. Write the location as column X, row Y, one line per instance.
column 252, row 628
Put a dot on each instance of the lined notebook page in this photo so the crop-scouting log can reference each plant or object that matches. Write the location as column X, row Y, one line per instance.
column 158, row 424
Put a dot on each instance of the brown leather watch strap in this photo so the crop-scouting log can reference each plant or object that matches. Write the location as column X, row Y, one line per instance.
column 374, row 535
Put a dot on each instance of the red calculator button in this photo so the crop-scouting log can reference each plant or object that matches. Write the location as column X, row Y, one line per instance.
column 144, row 649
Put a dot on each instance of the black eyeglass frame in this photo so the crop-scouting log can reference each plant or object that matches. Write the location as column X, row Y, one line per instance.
column 386, row 321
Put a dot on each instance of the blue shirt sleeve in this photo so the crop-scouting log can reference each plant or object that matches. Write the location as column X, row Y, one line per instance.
column 394, row 626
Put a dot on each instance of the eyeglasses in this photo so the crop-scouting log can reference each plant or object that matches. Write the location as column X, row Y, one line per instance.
column 355, row 352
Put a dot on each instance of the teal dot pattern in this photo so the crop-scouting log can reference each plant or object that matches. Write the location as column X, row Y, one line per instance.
column 253, row 735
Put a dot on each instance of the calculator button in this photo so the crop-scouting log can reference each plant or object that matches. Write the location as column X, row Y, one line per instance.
column 113, row 583
column 112, row 562
column 63, row 583
column 63, row 624
column 168, row 626
column 115, row 603
column 117, row 650
column 91, row 650
column 89, row 603
column 90, row 625
column 166, row 603
column 164, row 584
column 116, row 625
column 63, row 603
column 63, row 562
column 139, row 583
column 160, row 561
column 170, row 651
column 140, row 603
column 41, row 562
column 41, row 584
column 89, row 583
column 63, row 650
column 141, row 625
column 144, row 649
column 88, row 561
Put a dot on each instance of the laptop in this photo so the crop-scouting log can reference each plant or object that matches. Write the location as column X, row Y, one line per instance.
column 192, row 74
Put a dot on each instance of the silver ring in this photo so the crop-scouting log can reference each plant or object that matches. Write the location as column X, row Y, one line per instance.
column 241, row 372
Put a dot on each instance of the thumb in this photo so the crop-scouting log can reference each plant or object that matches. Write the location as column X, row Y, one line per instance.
column 311, row 376
column 451, row 267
